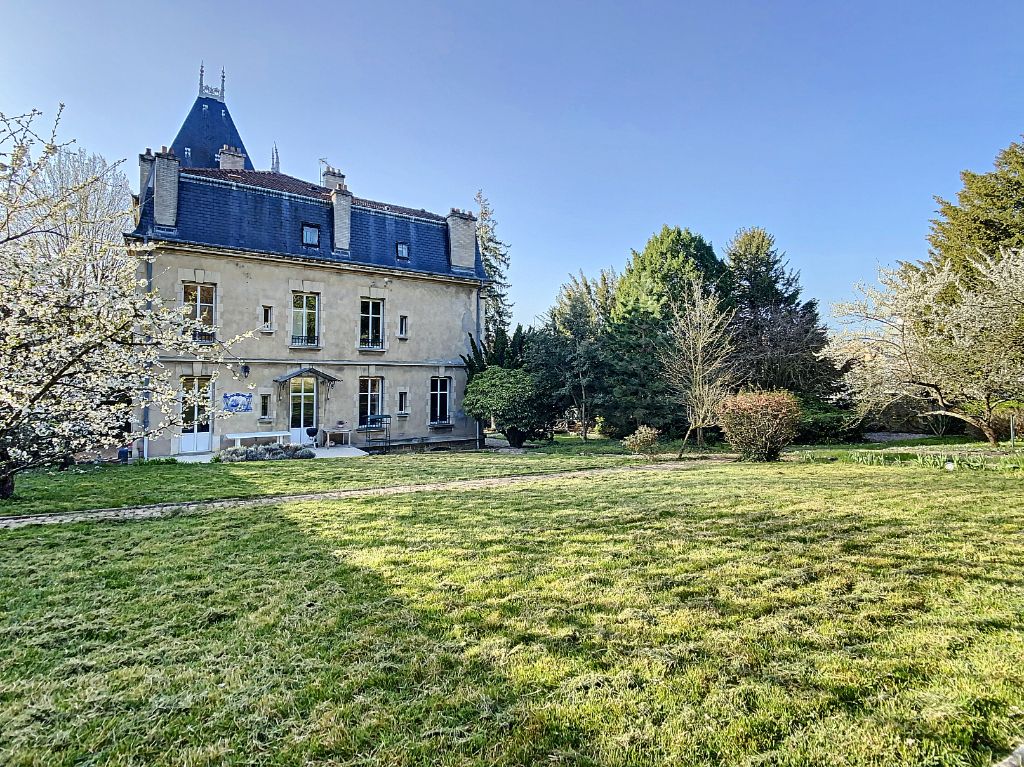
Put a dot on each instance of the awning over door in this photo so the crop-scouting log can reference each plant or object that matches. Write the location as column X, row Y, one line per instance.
column 309, row 370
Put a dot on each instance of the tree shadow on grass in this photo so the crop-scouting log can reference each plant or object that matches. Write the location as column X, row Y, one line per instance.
column 544, row 624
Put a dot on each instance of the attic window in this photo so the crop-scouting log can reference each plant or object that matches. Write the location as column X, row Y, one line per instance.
column 188, row 153
column 403, row 251
column 311, row 235
column 206, row 107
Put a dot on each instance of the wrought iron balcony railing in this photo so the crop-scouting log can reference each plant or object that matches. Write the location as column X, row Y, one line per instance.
column 371, row 342
column 305, row 340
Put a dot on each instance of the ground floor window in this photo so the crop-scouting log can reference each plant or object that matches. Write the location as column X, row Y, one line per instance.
column 370, row 394
column 439, row 388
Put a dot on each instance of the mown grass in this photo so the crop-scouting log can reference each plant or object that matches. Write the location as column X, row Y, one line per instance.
column 794, row 614
column 108, row 486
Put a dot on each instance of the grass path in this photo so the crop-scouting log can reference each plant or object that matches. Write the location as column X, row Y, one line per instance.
column 158, row 510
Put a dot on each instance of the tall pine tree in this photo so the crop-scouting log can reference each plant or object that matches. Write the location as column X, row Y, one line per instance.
column 778, row 337
column 494, row 253
column 988, row 214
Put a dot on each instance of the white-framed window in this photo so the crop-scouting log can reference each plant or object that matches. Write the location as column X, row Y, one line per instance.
column 311, row 235
column 403, row 325
column 305, row 319
column 264, row 406
column 268, row 317
column 371, row 323
column 403, row 402
column 188, row 153
column 371, row 391
column 402, row 251
column 200, row 301
column 439, row 389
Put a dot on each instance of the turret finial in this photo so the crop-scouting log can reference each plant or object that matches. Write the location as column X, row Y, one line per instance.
column 275, row 160
column 202, row 71
column 222, row 83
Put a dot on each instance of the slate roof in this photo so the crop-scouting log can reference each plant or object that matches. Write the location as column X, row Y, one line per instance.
column 263, row 212
column 281, row 182
column 207, row 127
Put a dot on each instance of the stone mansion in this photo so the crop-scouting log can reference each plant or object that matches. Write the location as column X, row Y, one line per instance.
column 358, row 311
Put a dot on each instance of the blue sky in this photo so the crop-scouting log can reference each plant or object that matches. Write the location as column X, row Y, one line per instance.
column 589, row 125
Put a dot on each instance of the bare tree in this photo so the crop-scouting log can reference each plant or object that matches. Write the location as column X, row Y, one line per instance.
column 698, row 362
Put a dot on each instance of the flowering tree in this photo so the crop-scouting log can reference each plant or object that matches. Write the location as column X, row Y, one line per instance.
column 953, row 345
column 698, row 360
column 81, row 333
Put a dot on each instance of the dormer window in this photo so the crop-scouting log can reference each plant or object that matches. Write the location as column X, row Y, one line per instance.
column 188, row 153
column 403, row 251
column 311, row 235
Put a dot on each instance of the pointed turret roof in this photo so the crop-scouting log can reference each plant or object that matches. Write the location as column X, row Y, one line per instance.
column 206, row 129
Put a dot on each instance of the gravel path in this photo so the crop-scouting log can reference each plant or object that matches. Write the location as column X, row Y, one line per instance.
column 159, row 510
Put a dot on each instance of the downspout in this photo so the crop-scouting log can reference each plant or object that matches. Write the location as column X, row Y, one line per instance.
column 480, row 442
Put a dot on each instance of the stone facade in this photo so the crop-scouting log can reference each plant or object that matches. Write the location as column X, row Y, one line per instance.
column 343, row 309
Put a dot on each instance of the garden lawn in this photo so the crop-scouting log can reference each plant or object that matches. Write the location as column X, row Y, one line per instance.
column 797, row 614
column 110, row 486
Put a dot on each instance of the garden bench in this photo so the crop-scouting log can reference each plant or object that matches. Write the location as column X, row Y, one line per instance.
column 239, row 436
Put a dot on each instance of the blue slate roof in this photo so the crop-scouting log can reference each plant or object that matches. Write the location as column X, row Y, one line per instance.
column 262, row 211
column 206, row 129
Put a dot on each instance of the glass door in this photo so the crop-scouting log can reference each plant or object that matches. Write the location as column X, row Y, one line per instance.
column 195, row 420
column 303, row 393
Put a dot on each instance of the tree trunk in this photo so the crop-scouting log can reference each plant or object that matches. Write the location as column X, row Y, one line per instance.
column 583, row 421
column 686, row 436
column 6, row 487
column 990, row 435
column 700, row 437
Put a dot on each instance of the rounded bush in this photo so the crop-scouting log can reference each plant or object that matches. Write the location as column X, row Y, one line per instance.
column 642, row 441
column 759, row 425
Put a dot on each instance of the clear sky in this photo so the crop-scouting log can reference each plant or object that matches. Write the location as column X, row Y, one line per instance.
column 589, row 124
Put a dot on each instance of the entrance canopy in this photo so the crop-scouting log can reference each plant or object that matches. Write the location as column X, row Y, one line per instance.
column 309, row 370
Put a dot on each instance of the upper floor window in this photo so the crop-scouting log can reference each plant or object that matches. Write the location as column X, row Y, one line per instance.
column 305, row 319
column 268, row 317
column 311, row 235
column 403, row 251
column 371, row 323
column 439, row 388
column 403, row 402
column 199, row 302
column 403, row 325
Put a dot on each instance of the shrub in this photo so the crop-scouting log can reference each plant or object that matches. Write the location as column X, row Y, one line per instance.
column 263, row 453
column 510, row 398
column 823, row 423
column 642, row 441
column 154, row 461
column 759, row 424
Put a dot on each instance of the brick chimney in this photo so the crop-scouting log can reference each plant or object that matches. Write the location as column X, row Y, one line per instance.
column 462, row 239
column 165, row 188
column 231, row 158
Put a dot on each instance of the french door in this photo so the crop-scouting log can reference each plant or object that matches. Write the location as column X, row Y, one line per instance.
column 195, row 415
column 303, row 394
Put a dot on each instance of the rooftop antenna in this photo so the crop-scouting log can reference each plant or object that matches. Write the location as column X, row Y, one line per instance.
column 323, row 164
